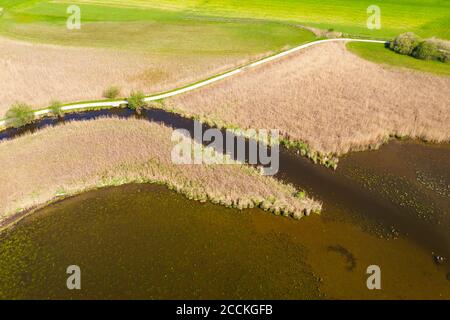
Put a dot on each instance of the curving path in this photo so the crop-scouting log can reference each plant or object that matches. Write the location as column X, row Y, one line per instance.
column 117, row 103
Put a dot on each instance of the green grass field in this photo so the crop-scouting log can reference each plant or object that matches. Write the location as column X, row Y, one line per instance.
column 426, row 17
column 154, row 30
column 378, row 53
column 223, row 28
column 210, row 25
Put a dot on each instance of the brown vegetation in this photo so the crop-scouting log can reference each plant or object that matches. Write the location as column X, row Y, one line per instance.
column 71, row 158
column 328, row 98
column 38, row 73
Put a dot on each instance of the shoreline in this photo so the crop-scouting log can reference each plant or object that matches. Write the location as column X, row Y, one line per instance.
column 302, row 148
column 118, row 163
column 12, row 220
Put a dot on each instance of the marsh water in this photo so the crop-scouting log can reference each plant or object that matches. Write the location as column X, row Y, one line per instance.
column 388, row 207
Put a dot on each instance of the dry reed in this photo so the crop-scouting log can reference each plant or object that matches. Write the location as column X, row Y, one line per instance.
column 329, row 98
column 78, row 156
column 38, row 73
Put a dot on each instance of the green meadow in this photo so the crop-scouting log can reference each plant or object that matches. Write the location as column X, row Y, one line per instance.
column 155, row 30
column 378, row 53
column 225, row 26
column 425, row 17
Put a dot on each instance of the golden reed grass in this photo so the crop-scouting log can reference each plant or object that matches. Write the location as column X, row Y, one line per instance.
column 328, row 98
column 37, row 74
column 78, row 156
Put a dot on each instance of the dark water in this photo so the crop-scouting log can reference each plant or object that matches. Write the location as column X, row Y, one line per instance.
column 388, row 207
column 148, row 242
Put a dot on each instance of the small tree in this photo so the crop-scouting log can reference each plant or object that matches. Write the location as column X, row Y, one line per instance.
column 136, row 101
column 111, row 92
column 405, row 43
column 19, row 115
column 55, row 108
column 428, row 50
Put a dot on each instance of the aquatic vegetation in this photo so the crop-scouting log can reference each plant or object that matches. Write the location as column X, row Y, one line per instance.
column 106, row 152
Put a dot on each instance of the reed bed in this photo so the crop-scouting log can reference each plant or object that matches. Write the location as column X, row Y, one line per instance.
column 38, row 74
column 328, row 99
column 68, row 159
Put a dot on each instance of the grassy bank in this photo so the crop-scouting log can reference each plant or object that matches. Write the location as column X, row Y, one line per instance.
column 69, row 159
column 378, row 53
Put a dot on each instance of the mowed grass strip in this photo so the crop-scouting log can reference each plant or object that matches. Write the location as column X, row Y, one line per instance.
column 378, row 53
column 78, row 156
column 329, row 98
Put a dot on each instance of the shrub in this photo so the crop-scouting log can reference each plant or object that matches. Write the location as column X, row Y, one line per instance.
column 444, row 48
column 55, row 108
column 136, row 101
column 445, row 56
column 19, row 115
column 405, row 43
column 111, row 92
column 427, row 50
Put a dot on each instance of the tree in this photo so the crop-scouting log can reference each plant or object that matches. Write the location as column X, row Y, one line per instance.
column 19, row 115
column 405, row 43
column 55, row 108
column 136, row 101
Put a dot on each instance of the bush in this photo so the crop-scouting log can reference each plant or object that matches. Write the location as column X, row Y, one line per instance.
column 405, row 43
column 19, row 115
column 111, row 92
column 444, row 48
column 55, row 108
column 427, row 50
column 445, row 56
column 136, row 101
